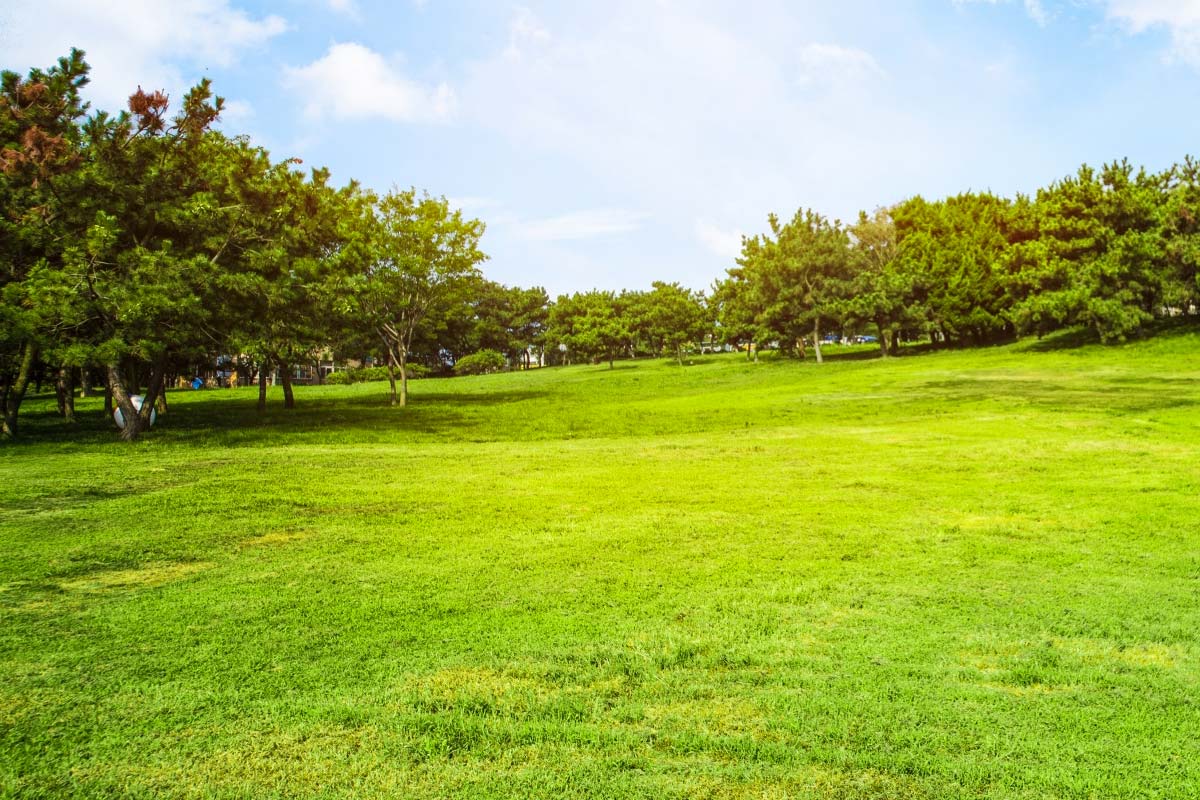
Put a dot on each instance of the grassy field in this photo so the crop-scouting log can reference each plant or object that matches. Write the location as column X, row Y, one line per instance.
column 969, row 574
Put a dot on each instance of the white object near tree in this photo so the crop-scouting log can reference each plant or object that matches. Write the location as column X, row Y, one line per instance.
column 137, row 401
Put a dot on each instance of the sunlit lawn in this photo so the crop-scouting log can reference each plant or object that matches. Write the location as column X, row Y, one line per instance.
column 970, row 574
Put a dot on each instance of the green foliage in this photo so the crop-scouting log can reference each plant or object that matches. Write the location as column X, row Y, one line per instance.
column 40, row 155
column 878, row 291
column 789, row 280
column 372, row 374
column 1096, row 257
column 669, row 317
column 590, row 325
column 949, row 253
column 420, row 255
column 482, row 362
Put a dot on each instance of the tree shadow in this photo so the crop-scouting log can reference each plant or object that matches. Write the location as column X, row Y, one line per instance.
column 479, row 398
column 1124, row 400
column 236, row 421
column 1071, row 339
column 857, row 354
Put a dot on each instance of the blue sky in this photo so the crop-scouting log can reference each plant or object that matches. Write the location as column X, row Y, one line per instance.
column 610, row 144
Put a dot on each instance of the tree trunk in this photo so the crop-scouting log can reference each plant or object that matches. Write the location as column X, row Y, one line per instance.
column 391, row 370
column 403, row 378
column 883, row 340
column 262, row 386
column 817, row 340
column 15, row 393
column 679, row 354
column 136, row 421
column 285, row 373
column 64, row 392
column 122, row 399
column 160, row 402
column 85, row 382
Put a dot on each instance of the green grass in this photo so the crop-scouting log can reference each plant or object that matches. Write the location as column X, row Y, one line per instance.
column 969, row 574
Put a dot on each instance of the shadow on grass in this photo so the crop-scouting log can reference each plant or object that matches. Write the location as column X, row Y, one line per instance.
column 859, row 354
column 235, row 420
column 1074, row 338
column 1065, row 340
column 1129, row 397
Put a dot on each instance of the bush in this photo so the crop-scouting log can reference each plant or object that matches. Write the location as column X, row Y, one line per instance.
column 417, row 371
column 370, row 374
column 480, row 363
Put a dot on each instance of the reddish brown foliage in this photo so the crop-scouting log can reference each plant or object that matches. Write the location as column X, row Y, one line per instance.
column 44, row 153
column 148, row 109
column 30, row 93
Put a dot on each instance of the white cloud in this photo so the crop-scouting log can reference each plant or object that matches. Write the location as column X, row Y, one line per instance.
column 236, row 112
column 471, row 203
column 580, row 225
column 133, row 42
column 525, row 32
column 680, row 104
column 724, row 243
column 1034, row 8
column 833, row 62
column 347, row 7
column 354, row 82
column 693, row 110
column 1180, row 17
column 1037, row 12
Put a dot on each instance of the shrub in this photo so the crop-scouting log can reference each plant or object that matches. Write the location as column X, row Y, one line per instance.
column 480, row 363
column 417, row 371
column 370, row 374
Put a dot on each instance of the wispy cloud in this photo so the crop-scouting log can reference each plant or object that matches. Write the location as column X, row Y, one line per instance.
column 1036, row 9
column 831, row 61
column 580, row 225
column 1181, row 18
column 131, row 43
column 354, row 82
column 719, row 241
column 237, row 112
column 525, row 32
column 347, row 7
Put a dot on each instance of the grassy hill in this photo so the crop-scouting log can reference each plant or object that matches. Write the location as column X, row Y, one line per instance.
column 964, row 574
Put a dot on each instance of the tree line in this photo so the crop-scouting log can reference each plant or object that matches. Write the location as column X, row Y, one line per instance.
column 1109, row 249
column 136, row 247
